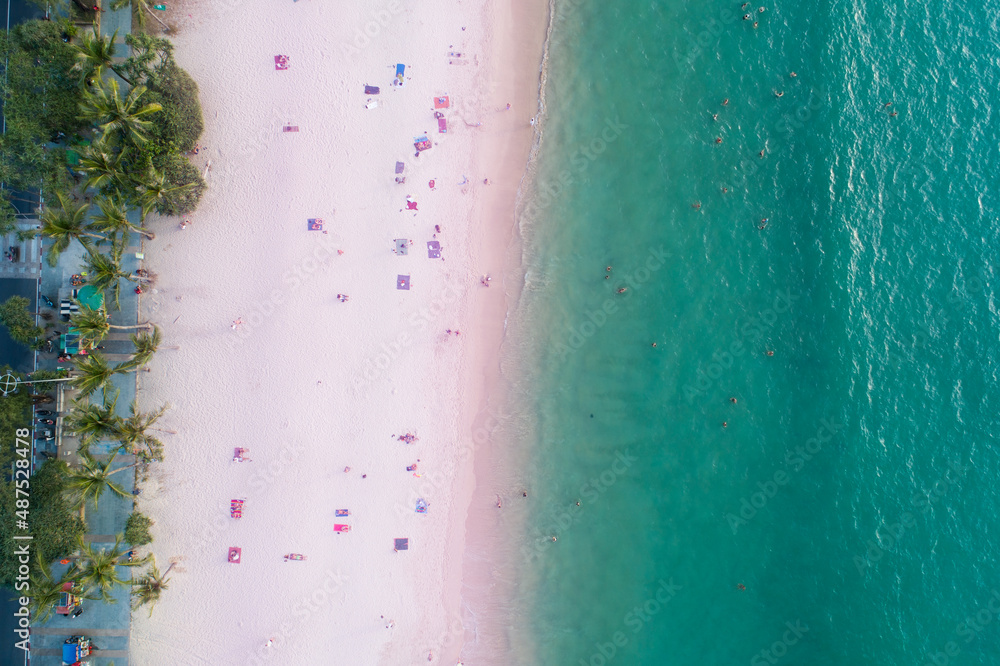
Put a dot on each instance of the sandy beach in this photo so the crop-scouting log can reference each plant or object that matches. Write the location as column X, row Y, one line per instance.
column 314, row 384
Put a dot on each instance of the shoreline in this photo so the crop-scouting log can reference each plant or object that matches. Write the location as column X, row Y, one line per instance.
column 313, row 390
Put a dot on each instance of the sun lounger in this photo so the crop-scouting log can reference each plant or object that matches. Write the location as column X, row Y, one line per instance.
column 371, row 90
column 341, row 528
column 235, row 554
column 433, row 250
column 441, row 102
column 403, row 282
column 281, row 62
column 315, row 224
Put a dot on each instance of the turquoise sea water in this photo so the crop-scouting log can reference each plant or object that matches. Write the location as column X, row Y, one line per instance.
column 854, row 490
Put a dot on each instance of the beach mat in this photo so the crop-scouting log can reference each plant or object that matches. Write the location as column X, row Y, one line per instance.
column 281, row 62
column 315, row 224
column 401, row 544
column 371, row 90
column 433, row 250
column 290, row 128
column 403, row 282
column 399, row 167
column 441, row 102
column 402, row 246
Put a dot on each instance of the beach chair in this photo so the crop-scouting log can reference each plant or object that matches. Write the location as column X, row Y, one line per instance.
column 341, row 528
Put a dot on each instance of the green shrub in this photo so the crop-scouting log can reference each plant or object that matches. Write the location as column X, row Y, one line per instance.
column 137, row 529
column 179, row 125
column 180, row 172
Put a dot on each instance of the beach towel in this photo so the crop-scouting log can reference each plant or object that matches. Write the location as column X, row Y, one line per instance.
column 401, row 544
column 421, row 143
column 433, row 250
column 402, row 246
column 441, row 102
column 290, row 128
column 281, row 62
column 343, row 512
column 442, row 126
column 399, row 167
column 371, row 90
column 403, row 282
column 315, row 224
column 372, row 104
column 411, row 205
column 421, row 506
column 400, row 69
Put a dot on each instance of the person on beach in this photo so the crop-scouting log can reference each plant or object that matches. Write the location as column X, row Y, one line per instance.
column 237, row 323
column 499, row 502
column 508, row 106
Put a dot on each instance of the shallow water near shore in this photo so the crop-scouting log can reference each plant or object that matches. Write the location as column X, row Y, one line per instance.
column 832, row 503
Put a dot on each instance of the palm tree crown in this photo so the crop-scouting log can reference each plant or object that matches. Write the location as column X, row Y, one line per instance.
column 149, row 586
column 118, row 116
column 97, row 569
column 64, row 224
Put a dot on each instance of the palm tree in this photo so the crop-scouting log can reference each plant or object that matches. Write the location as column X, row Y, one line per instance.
column 148, row 587
column 97, row 570
column 64, row 224
column 114, row 115
column 138, row 6
column 94, row 372
column 44, row 591
column 146, row 344
column 102, row 165
column 155, row 191
column 93, row 325
column 94, row 54
column 92, row 421
column 113, row 218
column 88, row 483
column 135, row 436
column 105, row 272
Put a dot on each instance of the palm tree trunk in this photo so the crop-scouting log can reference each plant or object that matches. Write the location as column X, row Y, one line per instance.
column 153, row 14
column 120, row 75
column 145, row 325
